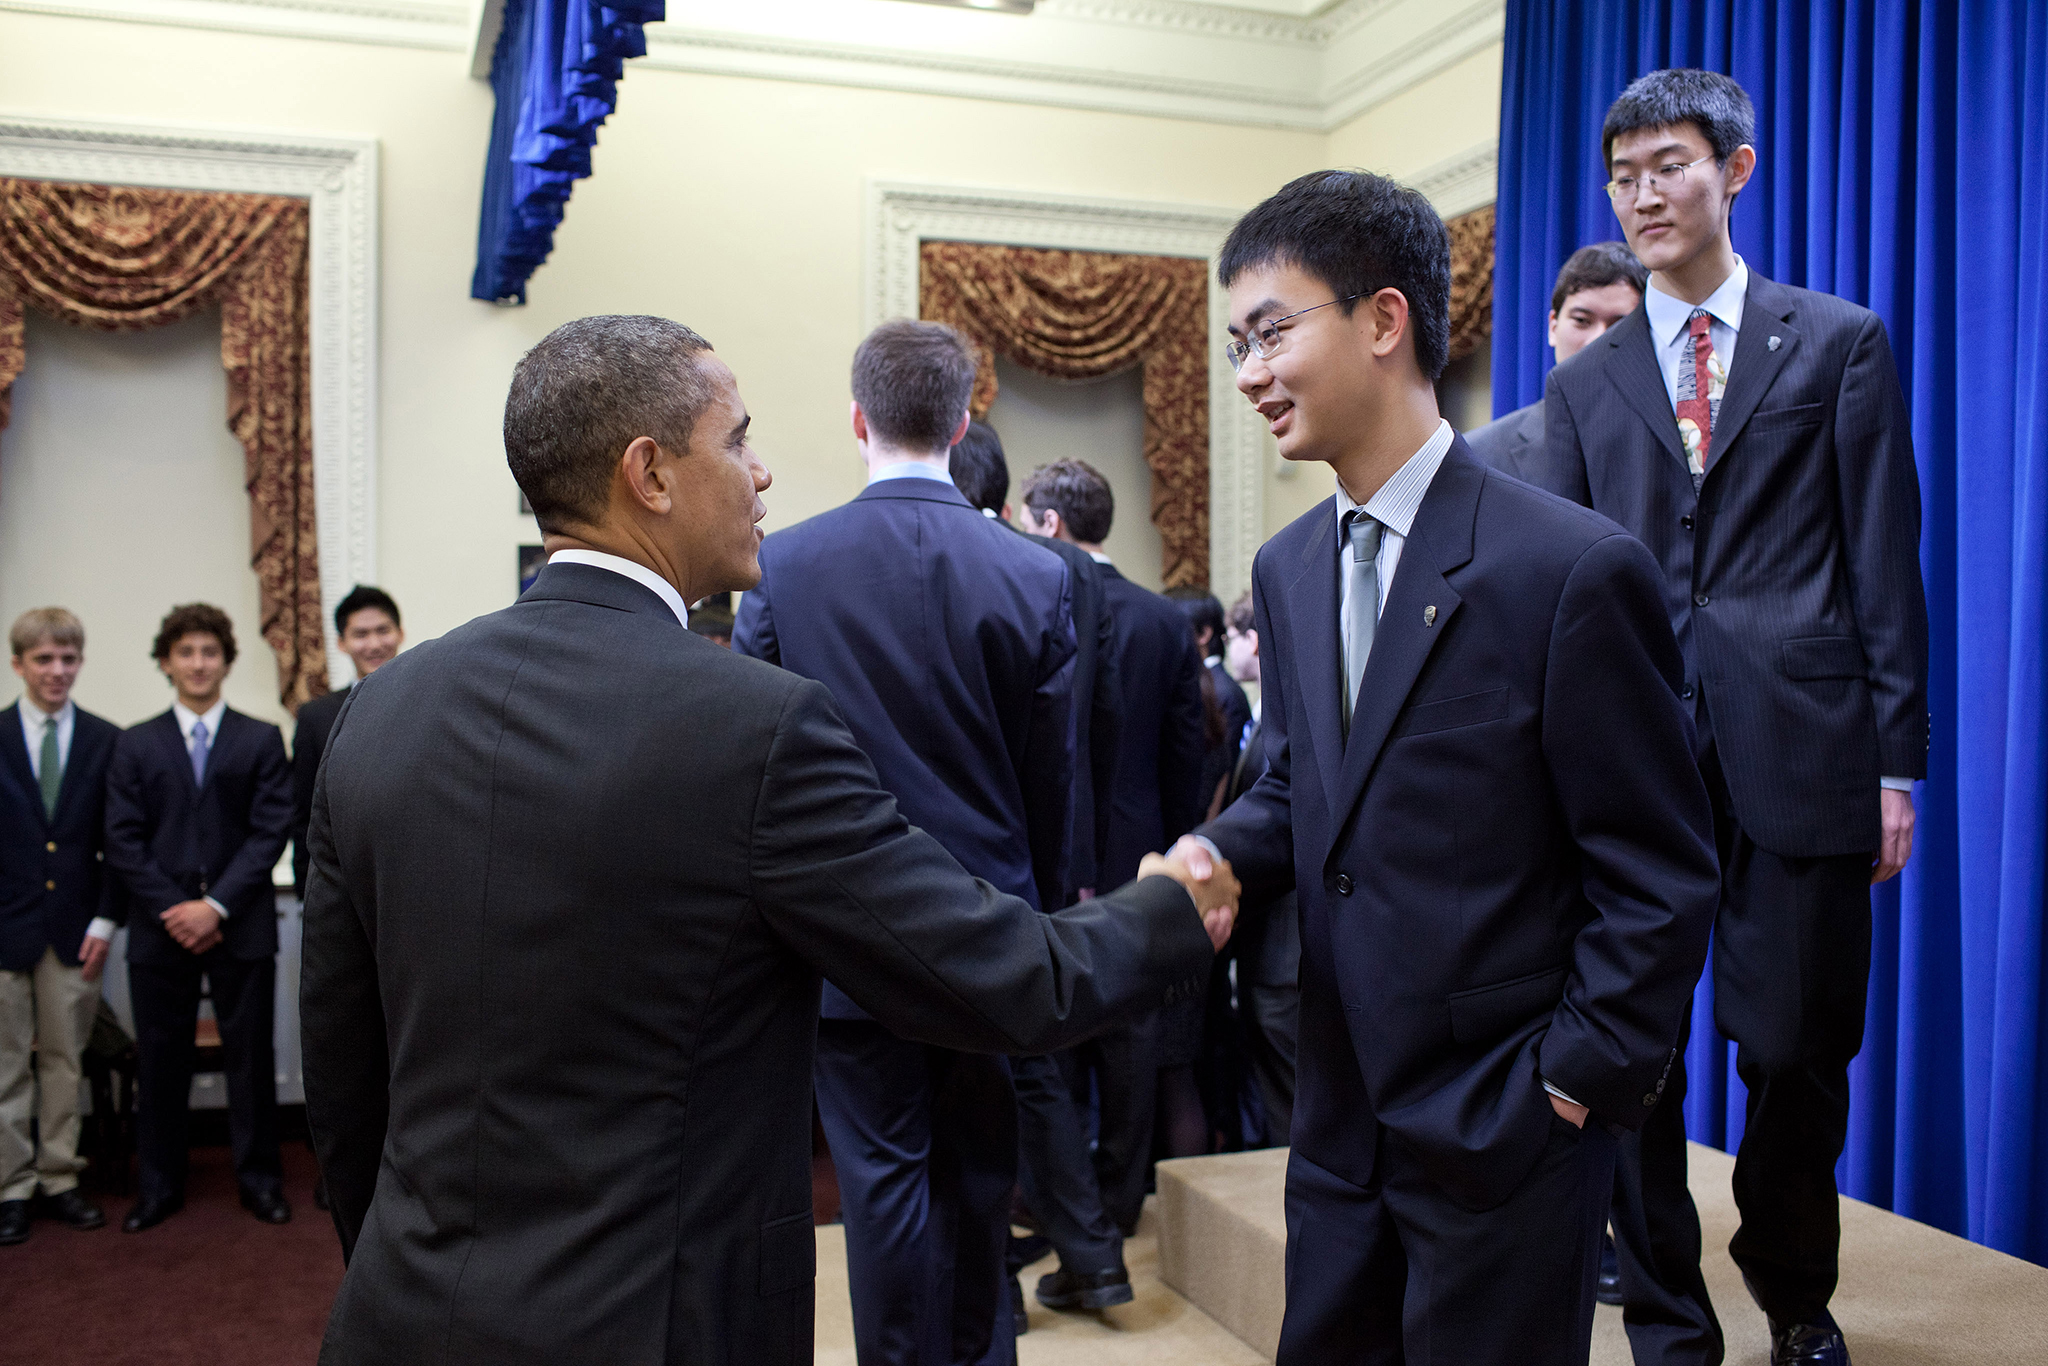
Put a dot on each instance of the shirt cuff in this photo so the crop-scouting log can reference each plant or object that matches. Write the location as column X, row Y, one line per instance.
column 1210, row 845
column 101, row 928
column 1896, row 784
column 222, row 910
column 1563, row 1097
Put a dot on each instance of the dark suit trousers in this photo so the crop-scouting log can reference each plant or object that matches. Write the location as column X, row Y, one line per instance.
column 1791, row 968
column 1057, row 1171
column 1398, row 1274
column 1124, row 1064
column 1271, row 1018
column 924, row 1141
column 166, row 1001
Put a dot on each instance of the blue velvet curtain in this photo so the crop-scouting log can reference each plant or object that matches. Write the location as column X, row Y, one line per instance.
column 556, row 73
column 1902, row 166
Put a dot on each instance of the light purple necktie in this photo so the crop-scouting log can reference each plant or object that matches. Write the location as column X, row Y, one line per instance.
column 198, row 752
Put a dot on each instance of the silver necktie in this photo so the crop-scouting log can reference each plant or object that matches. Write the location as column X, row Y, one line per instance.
column 1362, row 604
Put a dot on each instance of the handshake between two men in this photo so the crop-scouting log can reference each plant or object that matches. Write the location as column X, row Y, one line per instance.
column 1207, row 878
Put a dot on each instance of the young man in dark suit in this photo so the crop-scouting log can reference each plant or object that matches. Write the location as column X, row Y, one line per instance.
column 565, row 923
column 948, row 642
column 1157, row 798
column 1054, row 1166
column 54, row 923
column 1597, row 287
column 367, row 626
column 1501, row 922
column 199, row 804
column 1755, row 438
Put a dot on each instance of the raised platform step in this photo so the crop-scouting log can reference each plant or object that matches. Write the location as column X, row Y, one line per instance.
column 1911, row 1295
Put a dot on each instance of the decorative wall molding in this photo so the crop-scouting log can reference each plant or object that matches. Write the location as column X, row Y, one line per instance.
column 339, row 177
column 1264, row 63
column 901, row 216
column 1458, row 185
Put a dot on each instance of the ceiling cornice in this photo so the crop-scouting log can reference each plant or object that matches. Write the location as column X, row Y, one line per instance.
column 1180, row 59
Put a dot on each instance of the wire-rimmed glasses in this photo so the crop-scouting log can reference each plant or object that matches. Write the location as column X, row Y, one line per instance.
column 1264, row 341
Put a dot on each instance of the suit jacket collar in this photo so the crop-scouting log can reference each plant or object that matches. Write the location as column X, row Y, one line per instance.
column 1630, row 359
column 171, row 739
column 595, row 587
column 920, row 490
column 1439, row 543
column 1766, row 341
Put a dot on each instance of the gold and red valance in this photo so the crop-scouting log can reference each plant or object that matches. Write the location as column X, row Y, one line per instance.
column 1083, row 315
column 121, row 259
column 1471, row 280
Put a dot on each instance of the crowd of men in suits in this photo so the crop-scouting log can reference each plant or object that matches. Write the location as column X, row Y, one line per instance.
column 171, row 828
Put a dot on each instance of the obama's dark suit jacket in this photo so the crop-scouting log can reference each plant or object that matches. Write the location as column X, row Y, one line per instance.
column 575, row 875
column 1792, row 577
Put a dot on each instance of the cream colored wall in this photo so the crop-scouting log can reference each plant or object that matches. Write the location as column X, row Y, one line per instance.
column 734, row 205
column 1445, row 116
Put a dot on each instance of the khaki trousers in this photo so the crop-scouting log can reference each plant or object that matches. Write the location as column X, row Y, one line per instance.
column 47, row 1012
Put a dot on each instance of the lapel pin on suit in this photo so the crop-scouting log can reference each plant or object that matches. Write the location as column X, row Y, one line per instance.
column 1773, row 344
column 1429, row 615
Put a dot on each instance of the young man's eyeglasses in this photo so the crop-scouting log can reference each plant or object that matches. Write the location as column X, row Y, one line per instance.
column 1265, row 339
column 1623, row 189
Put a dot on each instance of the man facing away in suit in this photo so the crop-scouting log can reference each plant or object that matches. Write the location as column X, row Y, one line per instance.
column 54, row 919
column 1054, row 1166
column 199, row 804
column 366, row 625
column 1500, row 923
column 1156, row 799
column 948, row 644
column 1597, row 287
column 576, row 874
column 1755, row 438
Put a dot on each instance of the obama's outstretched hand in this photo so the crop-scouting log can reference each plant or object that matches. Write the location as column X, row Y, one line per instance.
column 1209, row 881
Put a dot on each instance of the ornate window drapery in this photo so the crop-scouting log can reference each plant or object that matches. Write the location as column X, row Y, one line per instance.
column 1471, row 280
column 122, row 259
column 1083, row 315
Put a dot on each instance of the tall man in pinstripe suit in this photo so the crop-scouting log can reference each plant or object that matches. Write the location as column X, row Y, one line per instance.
column 1755, row 438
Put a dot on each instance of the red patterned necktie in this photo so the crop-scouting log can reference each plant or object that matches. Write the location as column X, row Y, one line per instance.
column 1699, row 395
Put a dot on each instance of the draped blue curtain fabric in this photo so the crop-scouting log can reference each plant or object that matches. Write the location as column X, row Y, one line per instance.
column 556, row 75
column 1900, row 166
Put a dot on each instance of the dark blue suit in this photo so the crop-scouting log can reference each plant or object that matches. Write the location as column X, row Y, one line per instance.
column 1506, row 873
column 52, row 883
column 948, row 643
column 171, row 840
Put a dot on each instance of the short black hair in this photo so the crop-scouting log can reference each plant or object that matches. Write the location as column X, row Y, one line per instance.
column 194, row 619
column 1077, row 491
column 978, row 468
column 1358, row 233
column 913, row 381
column 1202, row 610
column 1596, row 267
column 363, row 598
column 1707, row 100
column 589, row 390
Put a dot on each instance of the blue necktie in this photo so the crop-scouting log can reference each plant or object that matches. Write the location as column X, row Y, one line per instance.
column 198, row 752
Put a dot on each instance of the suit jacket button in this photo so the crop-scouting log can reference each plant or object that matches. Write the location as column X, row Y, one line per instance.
column 1686, row 521
column 51, row 846
column 1699, row 599
column 1343, row 884
column 50, row 886
column 1649, row 1101
column 1686, row 693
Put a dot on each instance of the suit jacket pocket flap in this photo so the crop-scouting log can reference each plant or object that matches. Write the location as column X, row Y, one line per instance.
column 1453, row 712
column 1825, row 657
column 1483, row 1014
column 1778, row 419
column 789, row 1254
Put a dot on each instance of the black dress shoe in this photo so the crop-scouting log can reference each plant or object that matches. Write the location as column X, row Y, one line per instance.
column 150, row 1211
column 1065, row 1289
column 269, row 1206
column 1809, row 1344
column 1607, row 1289
column 71, row 1209
column 13, row 1222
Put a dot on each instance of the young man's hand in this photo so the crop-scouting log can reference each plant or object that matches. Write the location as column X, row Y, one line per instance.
column 92, row 957
column 194, row 924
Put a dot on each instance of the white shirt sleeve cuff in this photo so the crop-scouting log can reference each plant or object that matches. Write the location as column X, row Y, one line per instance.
column 216, row 906
column 1210, row 845
column 1561, row 1095
column 101, row 928
column 1896, row 784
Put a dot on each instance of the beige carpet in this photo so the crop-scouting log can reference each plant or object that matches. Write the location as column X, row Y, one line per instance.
column 1910, row 1295
column 1158, row 1328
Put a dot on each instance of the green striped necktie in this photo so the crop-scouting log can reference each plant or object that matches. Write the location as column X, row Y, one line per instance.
column 52, row 776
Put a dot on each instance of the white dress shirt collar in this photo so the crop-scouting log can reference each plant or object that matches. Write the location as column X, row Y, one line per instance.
column 187, row 719
column 1395, row 504
column 908, row 469
column 632, row 569
column 1669, row 314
